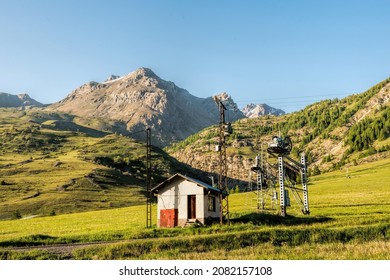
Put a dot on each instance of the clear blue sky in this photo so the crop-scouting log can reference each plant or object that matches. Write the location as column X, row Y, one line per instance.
column 283, row 53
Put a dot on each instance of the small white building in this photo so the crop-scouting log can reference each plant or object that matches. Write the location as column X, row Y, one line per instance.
column 181, row 199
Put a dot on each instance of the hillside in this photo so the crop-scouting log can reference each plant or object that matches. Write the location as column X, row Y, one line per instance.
column 23, row 99
column 142, row 99
column 333, row 134
column 349, row 220
column 53, row 164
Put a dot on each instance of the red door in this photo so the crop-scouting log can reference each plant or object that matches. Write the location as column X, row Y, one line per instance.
column 168, row 217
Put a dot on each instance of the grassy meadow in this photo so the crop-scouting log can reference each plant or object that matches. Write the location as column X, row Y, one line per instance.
column 51, row 165
column 64, row 180
column 350, row 219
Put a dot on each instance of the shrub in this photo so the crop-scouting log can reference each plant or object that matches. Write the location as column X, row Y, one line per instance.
column 17, row 214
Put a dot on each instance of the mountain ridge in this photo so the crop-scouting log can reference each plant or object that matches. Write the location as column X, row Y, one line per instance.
column 333, row 133
column 92, row 161
column 19, row 100
column 142, row 99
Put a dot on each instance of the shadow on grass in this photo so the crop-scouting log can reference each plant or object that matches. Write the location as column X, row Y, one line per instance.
column 271, row 219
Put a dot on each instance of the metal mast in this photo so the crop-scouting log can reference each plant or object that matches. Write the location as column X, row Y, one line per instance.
column 304, row 185
column 281, row 186
column 148, row 178
column 222, row 178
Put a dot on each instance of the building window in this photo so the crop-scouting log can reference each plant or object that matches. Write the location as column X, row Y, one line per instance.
column 212, row 207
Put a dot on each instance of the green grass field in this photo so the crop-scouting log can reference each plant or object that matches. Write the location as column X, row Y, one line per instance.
column 350, row 219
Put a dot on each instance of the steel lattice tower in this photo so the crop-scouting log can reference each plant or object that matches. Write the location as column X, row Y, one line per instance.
column 222, row 178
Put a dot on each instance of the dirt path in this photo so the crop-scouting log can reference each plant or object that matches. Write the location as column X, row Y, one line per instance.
column 64, row 250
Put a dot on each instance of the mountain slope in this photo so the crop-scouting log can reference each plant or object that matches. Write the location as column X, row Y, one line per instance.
column 23, row 99
column 333, row 133
column 51, row 165
column 142, row 99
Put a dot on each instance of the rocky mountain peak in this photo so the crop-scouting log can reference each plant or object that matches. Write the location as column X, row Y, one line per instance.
column 227, row 100
column 143, row 73
column 23, row 96
column 142, row 99
column 112, row 78
column 257, row 110
column 19, row 100
column 222, row 96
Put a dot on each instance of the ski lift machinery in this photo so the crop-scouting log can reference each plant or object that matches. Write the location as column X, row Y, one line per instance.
column 287, row 171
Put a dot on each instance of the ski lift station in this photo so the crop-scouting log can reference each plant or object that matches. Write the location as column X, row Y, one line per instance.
column 182, row 200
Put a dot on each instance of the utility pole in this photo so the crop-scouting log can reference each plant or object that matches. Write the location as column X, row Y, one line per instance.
column 148, row 178
column 222, row 177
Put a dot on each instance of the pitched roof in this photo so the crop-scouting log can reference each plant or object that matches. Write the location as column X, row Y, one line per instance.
column 199, row 183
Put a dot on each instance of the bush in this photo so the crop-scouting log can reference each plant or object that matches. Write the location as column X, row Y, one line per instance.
column 17, row 214
column 315, row 171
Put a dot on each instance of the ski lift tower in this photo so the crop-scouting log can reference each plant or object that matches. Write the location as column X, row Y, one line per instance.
column 225, row 129
column 281, row 149
column 264, row 181
column 258, row 170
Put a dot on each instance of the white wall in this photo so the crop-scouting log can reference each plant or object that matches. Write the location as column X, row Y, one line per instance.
column 175, row 196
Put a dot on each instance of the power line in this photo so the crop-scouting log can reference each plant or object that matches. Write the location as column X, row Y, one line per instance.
column 294, row 97
column 291, row 103
column 301, row 102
